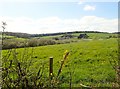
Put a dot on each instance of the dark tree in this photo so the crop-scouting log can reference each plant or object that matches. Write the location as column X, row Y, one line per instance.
column 83, row 36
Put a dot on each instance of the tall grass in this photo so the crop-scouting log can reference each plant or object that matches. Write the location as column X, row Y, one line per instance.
column 19, row 71
column 91, row 60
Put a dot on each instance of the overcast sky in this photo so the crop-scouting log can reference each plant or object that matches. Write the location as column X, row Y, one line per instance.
column 49, row 17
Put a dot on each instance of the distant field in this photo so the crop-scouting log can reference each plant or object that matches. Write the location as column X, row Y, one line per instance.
column 91, row 35
column 6, row 36
column 49, row 37
column 88, row 59
column 22, row 40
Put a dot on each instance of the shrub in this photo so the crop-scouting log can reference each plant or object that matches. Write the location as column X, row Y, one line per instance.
column 9, row 44
column 14, row 43
column 42, row 42
column 32, row 43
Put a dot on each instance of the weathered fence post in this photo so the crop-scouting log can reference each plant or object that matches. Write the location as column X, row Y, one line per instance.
column 50, row 71
column 51, row 67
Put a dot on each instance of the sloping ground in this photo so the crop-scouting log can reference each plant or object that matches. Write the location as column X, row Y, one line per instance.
column 88, row 61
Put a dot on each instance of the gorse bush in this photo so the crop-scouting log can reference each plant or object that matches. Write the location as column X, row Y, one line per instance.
column 15, row 43
column 33, row 42
column 7, row 44
column 40, row 42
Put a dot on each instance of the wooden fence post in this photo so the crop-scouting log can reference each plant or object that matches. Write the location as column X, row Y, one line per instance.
column 51, row 67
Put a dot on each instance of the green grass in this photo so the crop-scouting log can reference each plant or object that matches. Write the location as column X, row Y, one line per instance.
column 88, row 59
column 96, row 35
column 91, row 35
column 50, row 37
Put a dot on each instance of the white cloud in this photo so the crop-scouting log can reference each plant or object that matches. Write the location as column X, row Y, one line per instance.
column 89, row 8
column 55, row 24
column 81, row 2
column 49, row 20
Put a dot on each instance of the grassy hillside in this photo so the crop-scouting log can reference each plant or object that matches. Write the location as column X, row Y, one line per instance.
column 91, row 35
column 88, row 61
column 49, row 39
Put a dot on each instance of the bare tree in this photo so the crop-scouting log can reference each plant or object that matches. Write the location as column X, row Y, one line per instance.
column 4, row 27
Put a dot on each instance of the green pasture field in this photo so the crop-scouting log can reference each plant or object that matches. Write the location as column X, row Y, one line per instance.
column 88, row 61
column 91, row 36
column 6, row 36
column 49, row 37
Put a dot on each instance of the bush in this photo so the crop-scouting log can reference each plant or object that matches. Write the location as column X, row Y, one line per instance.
column 14, row 43
column 9, row 44
column 40, row 42
column 32, row 43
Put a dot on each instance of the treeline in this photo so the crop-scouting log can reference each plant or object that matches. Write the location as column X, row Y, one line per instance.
column 116, row 33
column 26, row 35
column 61, row 33
column 17, row 34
